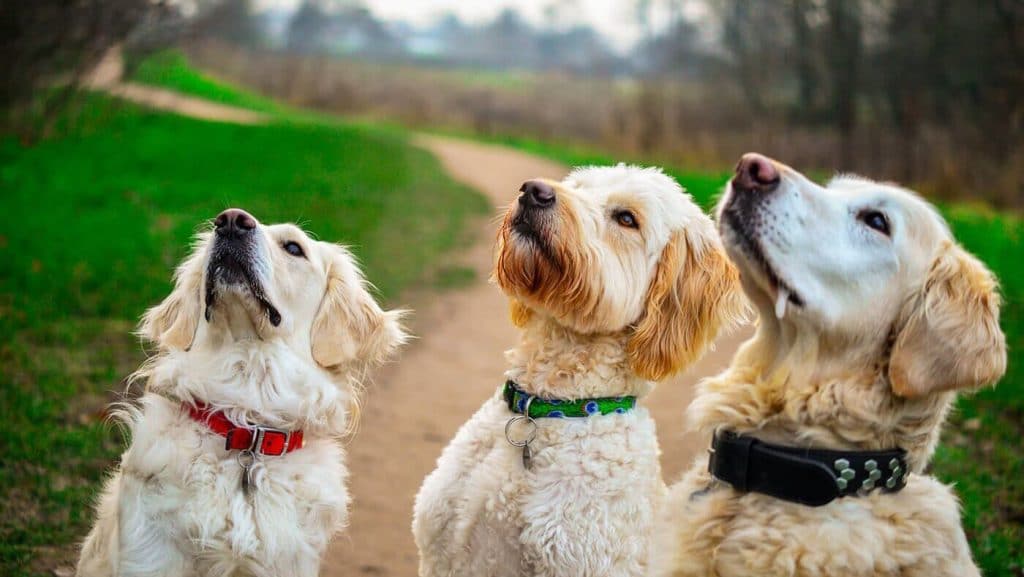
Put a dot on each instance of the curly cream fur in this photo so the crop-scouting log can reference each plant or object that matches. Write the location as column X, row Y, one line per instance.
column 604, row 310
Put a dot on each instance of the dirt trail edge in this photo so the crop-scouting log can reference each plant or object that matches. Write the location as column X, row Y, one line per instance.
column 108, row 76
column 178, row 103
column 418, row 403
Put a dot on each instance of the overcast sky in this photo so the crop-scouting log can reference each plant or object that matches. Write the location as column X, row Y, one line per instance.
column 615, row 19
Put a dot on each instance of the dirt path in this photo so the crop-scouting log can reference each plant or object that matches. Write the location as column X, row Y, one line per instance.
column 108, row 76
column 458, row 359
column 178, row 103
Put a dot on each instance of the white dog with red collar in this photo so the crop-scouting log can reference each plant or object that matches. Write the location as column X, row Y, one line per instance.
column 235, row 467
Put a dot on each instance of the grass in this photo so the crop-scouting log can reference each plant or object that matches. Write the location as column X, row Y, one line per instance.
column 94, row 222
column 170, row 69
column 454, row 276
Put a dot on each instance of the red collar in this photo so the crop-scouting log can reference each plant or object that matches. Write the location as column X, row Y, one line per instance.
column 259, row 440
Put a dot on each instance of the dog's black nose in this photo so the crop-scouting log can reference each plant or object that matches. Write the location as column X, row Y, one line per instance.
column 234, row 222
column 537, row 193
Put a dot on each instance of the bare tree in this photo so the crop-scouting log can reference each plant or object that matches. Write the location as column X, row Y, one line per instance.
column 54, row 43
column 756, row 35
column 307, row 27
column 844, row 63
column 803, row 55
column 229, row 20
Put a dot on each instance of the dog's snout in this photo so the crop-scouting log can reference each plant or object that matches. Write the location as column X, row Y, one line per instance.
column 234, row 222
column 755, row 172
column 537, row 193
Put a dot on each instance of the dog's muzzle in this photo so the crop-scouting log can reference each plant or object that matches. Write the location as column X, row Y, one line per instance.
column 233, row 261
column 536, row 200
column 234, row 247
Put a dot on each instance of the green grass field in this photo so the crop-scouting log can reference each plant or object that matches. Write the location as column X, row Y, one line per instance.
column 94, row 221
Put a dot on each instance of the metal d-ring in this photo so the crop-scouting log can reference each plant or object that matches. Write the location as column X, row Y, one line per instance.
column 524, row 417
column 529, row 438
column 525, row 443
column 246, row 459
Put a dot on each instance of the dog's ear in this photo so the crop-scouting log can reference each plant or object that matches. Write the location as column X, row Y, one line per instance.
column 949, row 336
column 350, row 325
column 172, row 324
column 519, row 312
column 695, row 291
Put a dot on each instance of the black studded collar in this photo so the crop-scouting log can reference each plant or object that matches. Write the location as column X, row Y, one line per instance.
column 813, row 477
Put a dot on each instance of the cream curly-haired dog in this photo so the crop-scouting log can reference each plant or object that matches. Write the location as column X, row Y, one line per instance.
column 235, row 467
column 617, row 279
column 872, row 317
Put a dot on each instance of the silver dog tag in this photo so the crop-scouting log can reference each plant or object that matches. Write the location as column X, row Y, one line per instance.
column 246, row 459
column 513, row 440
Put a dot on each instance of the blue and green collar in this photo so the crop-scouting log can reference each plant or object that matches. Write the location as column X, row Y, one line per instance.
column 536, row 407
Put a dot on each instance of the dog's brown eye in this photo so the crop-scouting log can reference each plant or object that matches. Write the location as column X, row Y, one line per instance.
column 875, row 220
column 626, row 219
column 293, row 248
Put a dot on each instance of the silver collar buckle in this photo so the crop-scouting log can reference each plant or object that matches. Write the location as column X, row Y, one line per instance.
column 261, row 435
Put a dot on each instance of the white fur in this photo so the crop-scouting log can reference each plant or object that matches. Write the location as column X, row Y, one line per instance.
column 885, row 326
column 175, row 505
column 587, row 506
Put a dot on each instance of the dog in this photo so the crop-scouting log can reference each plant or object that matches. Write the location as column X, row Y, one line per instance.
column 616, row 279
column 872, row 318
column 235, row 465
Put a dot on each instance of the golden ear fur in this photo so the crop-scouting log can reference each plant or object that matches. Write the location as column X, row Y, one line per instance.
column 519, row 313
column 949, row 336
column 172, row 324
column 695, row 292
column 350, row 326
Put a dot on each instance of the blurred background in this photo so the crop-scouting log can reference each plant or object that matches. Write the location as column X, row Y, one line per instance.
column 925, row 91
column 126, row 124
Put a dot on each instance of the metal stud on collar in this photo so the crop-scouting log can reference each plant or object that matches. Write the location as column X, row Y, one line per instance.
column 846, row 474
column 872, row 470
column 894, row 466
column 874, row 474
